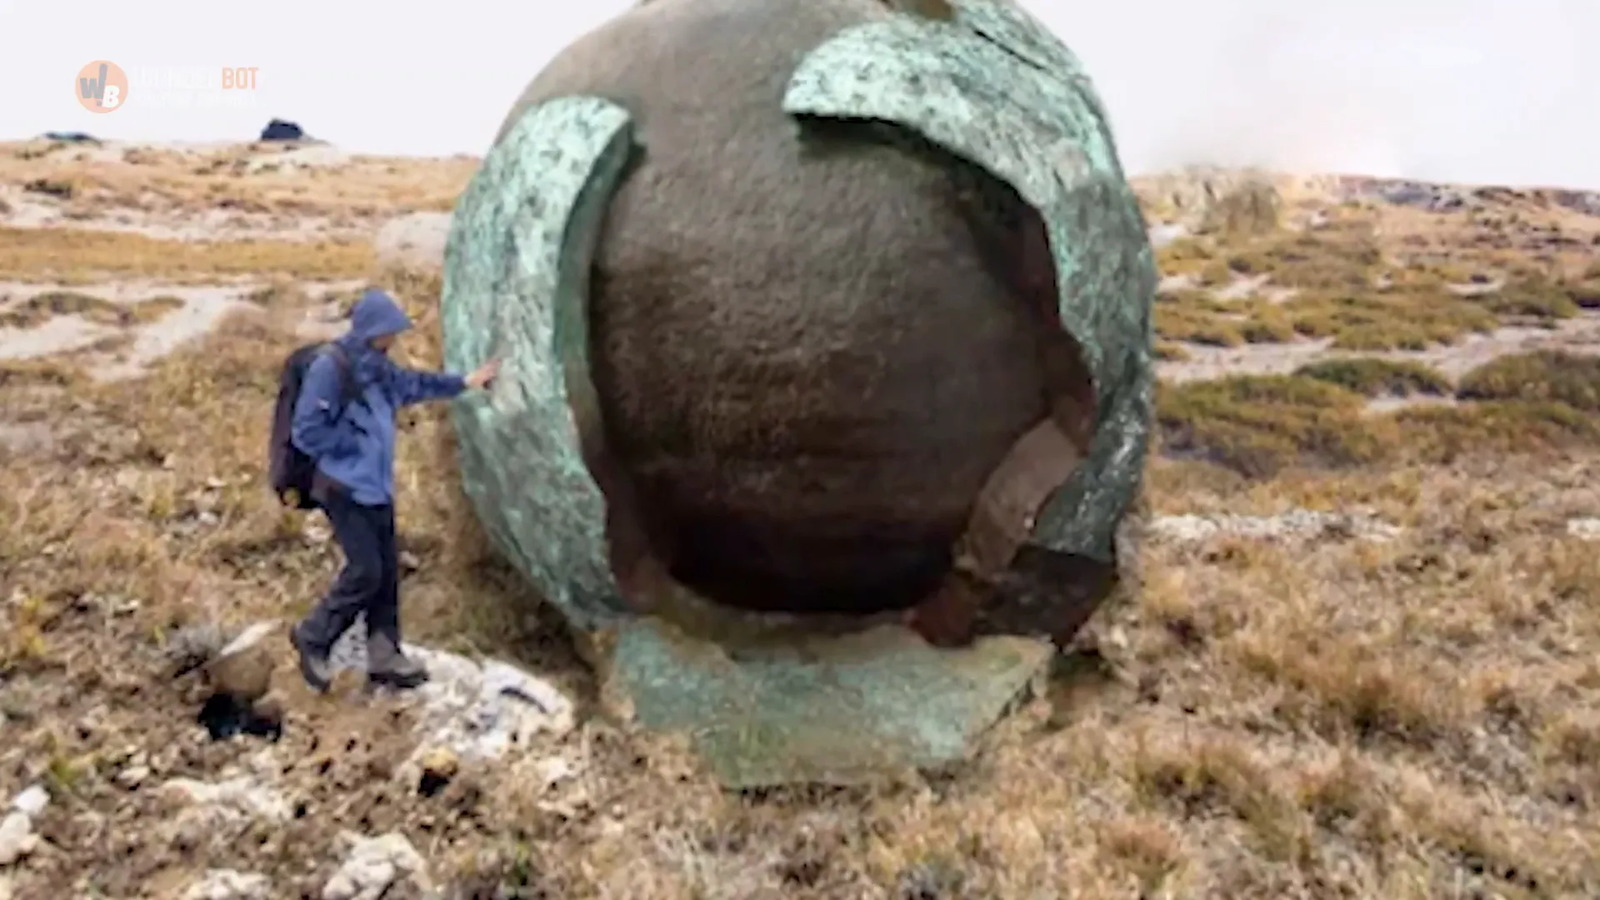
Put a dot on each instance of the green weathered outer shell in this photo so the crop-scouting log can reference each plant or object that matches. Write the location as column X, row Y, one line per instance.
column 999, row 90
column 516, row 271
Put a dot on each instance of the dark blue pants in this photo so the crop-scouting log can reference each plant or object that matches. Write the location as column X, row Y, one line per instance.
column 370, row 580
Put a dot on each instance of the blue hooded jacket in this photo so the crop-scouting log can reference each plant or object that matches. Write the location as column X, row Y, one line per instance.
column 354, row 445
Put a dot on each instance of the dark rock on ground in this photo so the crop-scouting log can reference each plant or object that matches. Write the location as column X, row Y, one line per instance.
column 282, row 130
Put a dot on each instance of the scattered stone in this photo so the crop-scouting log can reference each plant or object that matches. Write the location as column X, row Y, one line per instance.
column 1587, row 529
column 226, row 884
column 373, row 865
column 31, row 801
column 438, row 765
column 193, row 646
column 1300, row 523
column 133, row 776
column 17, row 839
column 242, row 796
column 553, row 771
column 243, row 669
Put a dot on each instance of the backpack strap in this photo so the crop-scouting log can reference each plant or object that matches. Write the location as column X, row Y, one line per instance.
column 349, row 390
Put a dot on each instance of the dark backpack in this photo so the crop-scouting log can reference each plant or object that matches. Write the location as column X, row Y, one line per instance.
column 289, row 470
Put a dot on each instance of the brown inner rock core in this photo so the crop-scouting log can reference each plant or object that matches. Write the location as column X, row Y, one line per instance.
column 870, row 509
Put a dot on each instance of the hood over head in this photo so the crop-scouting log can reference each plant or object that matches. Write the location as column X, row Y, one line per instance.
column 375, row 315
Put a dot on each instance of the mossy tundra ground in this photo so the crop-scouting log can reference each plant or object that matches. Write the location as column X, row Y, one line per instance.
column 1407, row 710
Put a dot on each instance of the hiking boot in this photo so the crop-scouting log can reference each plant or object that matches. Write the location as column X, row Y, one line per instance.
column 314, row 666
column 388, row 666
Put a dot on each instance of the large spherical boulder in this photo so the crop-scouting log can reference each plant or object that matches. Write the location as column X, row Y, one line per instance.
column 796, row 358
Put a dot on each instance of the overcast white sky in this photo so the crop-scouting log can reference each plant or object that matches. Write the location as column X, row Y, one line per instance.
column 1503, row 91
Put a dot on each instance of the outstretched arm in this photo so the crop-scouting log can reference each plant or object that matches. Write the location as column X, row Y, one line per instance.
column 314, row 428
column 409, row 386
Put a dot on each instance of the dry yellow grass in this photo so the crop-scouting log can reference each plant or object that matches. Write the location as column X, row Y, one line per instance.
column 1327, row 717
column 71, row 256
column 249, row 178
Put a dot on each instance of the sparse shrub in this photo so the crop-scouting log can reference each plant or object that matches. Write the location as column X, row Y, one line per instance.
column 1180, row 323
column 1444, row 433
column 60, row 188
column 1167, row 351
column 1585, row 295
column 1198, row 317
column 1536, row 299
column 1373, row 377
column 1314, row 262
column 40, row 308
column 32, row 371
column 281, row 294
column 1387, row 320
column 1538, row 377
column 1258, row 425
column 1185, row 256
column 1265, row 323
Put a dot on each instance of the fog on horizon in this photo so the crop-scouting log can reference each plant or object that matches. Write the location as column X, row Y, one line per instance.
column 1482, row 91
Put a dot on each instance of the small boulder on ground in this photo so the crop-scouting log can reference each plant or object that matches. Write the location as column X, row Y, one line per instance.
column 226, row 884
column 16, row 837
column 373, row 866
column 243, row 669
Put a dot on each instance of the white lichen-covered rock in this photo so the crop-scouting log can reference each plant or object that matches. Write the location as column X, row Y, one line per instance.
column 478, row 710
column 236, row 797
column 17, row 839
column 226, row 884
column 31, row 801
column 1587, row 529
column 373, row 865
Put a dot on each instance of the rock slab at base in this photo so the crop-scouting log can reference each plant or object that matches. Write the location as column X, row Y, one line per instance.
column 837, row 709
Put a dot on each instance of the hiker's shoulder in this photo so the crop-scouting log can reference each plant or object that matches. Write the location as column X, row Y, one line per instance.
column 325, row 363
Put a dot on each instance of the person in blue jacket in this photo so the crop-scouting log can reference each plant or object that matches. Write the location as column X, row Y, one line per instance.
column 353, row 447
